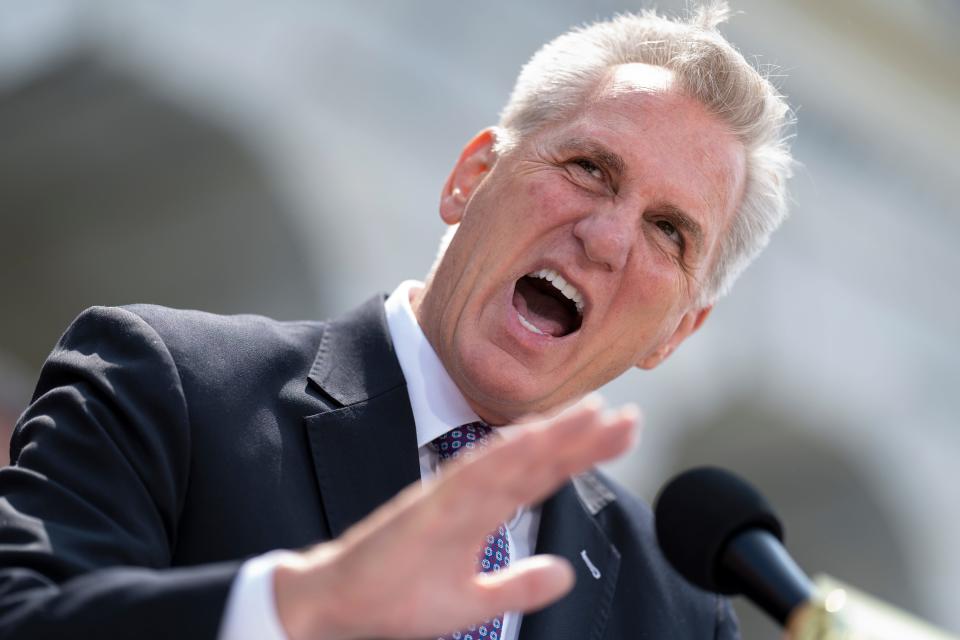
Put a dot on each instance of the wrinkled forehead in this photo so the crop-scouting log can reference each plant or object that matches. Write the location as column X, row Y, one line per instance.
column 640, row 112
column 637, row 99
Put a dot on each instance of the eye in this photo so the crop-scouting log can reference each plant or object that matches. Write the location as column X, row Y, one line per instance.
column 590, row 167
column 671, row 231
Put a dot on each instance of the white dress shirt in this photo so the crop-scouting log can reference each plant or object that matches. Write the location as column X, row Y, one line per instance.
column 438, row 406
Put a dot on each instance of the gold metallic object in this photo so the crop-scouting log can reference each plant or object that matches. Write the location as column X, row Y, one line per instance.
column 839, row 612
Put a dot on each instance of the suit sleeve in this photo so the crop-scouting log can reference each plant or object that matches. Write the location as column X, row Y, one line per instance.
column 100, row 463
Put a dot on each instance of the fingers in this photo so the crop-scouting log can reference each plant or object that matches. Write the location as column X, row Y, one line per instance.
column 525, row 468
column 550, row 451
column 527, row 585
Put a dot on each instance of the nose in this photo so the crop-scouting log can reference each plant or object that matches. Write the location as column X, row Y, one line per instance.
column 607, row 237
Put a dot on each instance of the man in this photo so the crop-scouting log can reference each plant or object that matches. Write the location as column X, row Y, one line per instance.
column 638, row 167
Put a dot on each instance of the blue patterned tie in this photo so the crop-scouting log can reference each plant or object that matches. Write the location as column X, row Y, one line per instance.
column 495, row 555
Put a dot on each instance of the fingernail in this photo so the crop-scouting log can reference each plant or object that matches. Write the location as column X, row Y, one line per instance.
column 630, row 411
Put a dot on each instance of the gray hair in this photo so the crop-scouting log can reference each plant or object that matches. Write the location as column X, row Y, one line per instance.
column 559, row 77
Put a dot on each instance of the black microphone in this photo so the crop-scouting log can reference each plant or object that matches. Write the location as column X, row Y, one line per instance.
column 720, row 534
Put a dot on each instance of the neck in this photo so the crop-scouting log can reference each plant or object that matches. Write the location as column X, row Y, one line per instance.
column 421, row 313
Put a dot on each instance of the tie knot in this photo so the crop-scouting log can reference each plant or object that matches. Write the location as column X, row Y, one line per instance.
column 463, row 440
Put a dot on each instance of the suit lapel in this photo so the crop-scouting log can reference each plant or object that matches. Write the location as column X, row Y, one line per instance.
column 365, row 451
column 569, row 530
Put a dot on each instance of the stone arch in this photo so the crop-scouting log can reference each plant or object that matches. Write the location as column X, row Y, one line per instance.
column 112, row 194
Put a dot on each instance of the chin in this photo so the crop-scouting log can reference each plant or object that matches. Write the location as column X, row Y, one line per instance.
column 501, row 389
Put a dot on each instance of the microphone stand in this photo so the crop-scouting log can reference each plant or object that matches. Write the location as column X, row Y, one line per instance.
column 839, row 612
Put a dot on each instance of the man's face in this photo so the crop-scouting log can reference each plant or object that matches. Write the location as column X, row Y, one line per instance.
column 626, row 202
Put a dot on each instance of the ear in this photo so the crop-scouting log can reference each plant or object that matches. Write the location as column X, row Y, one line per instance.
column 690, row 322
column 475, row 161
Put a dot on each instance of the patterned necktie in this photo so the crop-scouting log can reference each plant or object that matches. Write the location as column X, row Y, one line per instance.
column 495, row 555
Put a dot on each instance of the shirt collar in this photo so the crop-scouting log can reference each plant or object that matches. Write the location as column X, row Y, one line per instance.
column 437, row 403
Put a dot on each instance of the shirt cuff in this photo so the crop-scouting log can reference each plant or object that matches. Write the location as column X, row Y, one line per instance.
column 251, row 611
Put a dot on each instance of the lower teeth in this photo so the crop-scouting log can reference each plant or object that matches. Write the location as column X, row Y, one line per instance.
column 529, row 325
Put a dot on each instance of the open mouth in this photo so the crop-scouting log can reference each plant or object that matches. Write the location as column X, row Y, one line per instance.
column 547, row 304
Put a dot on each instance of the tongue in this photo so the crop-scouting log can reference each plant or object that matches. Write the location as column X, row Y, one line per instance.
column 541, row 309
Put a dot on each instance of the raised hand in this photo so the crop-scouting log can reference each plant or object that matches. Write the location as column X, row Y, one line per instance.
column 409, row 569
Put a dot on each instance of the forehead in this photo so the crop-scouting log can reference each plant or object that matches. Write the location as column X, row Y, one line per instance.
column 673, row 149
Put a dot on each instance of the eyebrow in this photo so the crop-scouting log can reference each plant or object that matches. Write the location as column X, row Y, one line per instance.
column 610, row 160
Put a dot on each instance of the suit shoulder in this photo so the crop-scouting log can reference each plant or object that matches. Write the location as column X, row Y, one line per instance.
column 186, row 321
column 206, row 345
column 203, row 340
column 166, row 321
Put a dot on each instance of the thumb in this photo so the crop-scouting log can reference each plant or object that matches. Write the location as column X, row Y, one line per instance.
column 527, row 585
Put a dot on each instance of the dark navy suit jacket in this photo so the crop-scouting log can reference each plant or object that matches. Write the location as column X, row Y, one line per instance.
column 164, row 447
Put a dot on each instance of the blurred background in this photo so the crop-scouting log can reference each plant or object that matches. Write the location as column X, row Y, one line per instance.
column 286, row 158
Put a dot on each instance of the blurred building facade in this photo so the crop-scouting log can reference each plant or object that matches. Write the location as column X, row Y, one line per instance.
column 286, row 159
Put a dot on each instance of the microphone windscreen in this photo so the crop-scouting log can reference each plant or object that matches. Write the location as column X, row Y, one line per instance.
column 698, row 513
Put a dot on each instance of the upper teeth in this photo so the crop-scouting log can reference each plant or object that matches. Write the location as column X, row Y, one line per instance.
column 561, row 285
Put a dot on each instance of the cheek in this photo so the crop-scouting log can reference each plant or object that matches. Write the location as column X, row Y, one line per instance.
column 658, row 282
column 646, row 312
column 549, row 200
